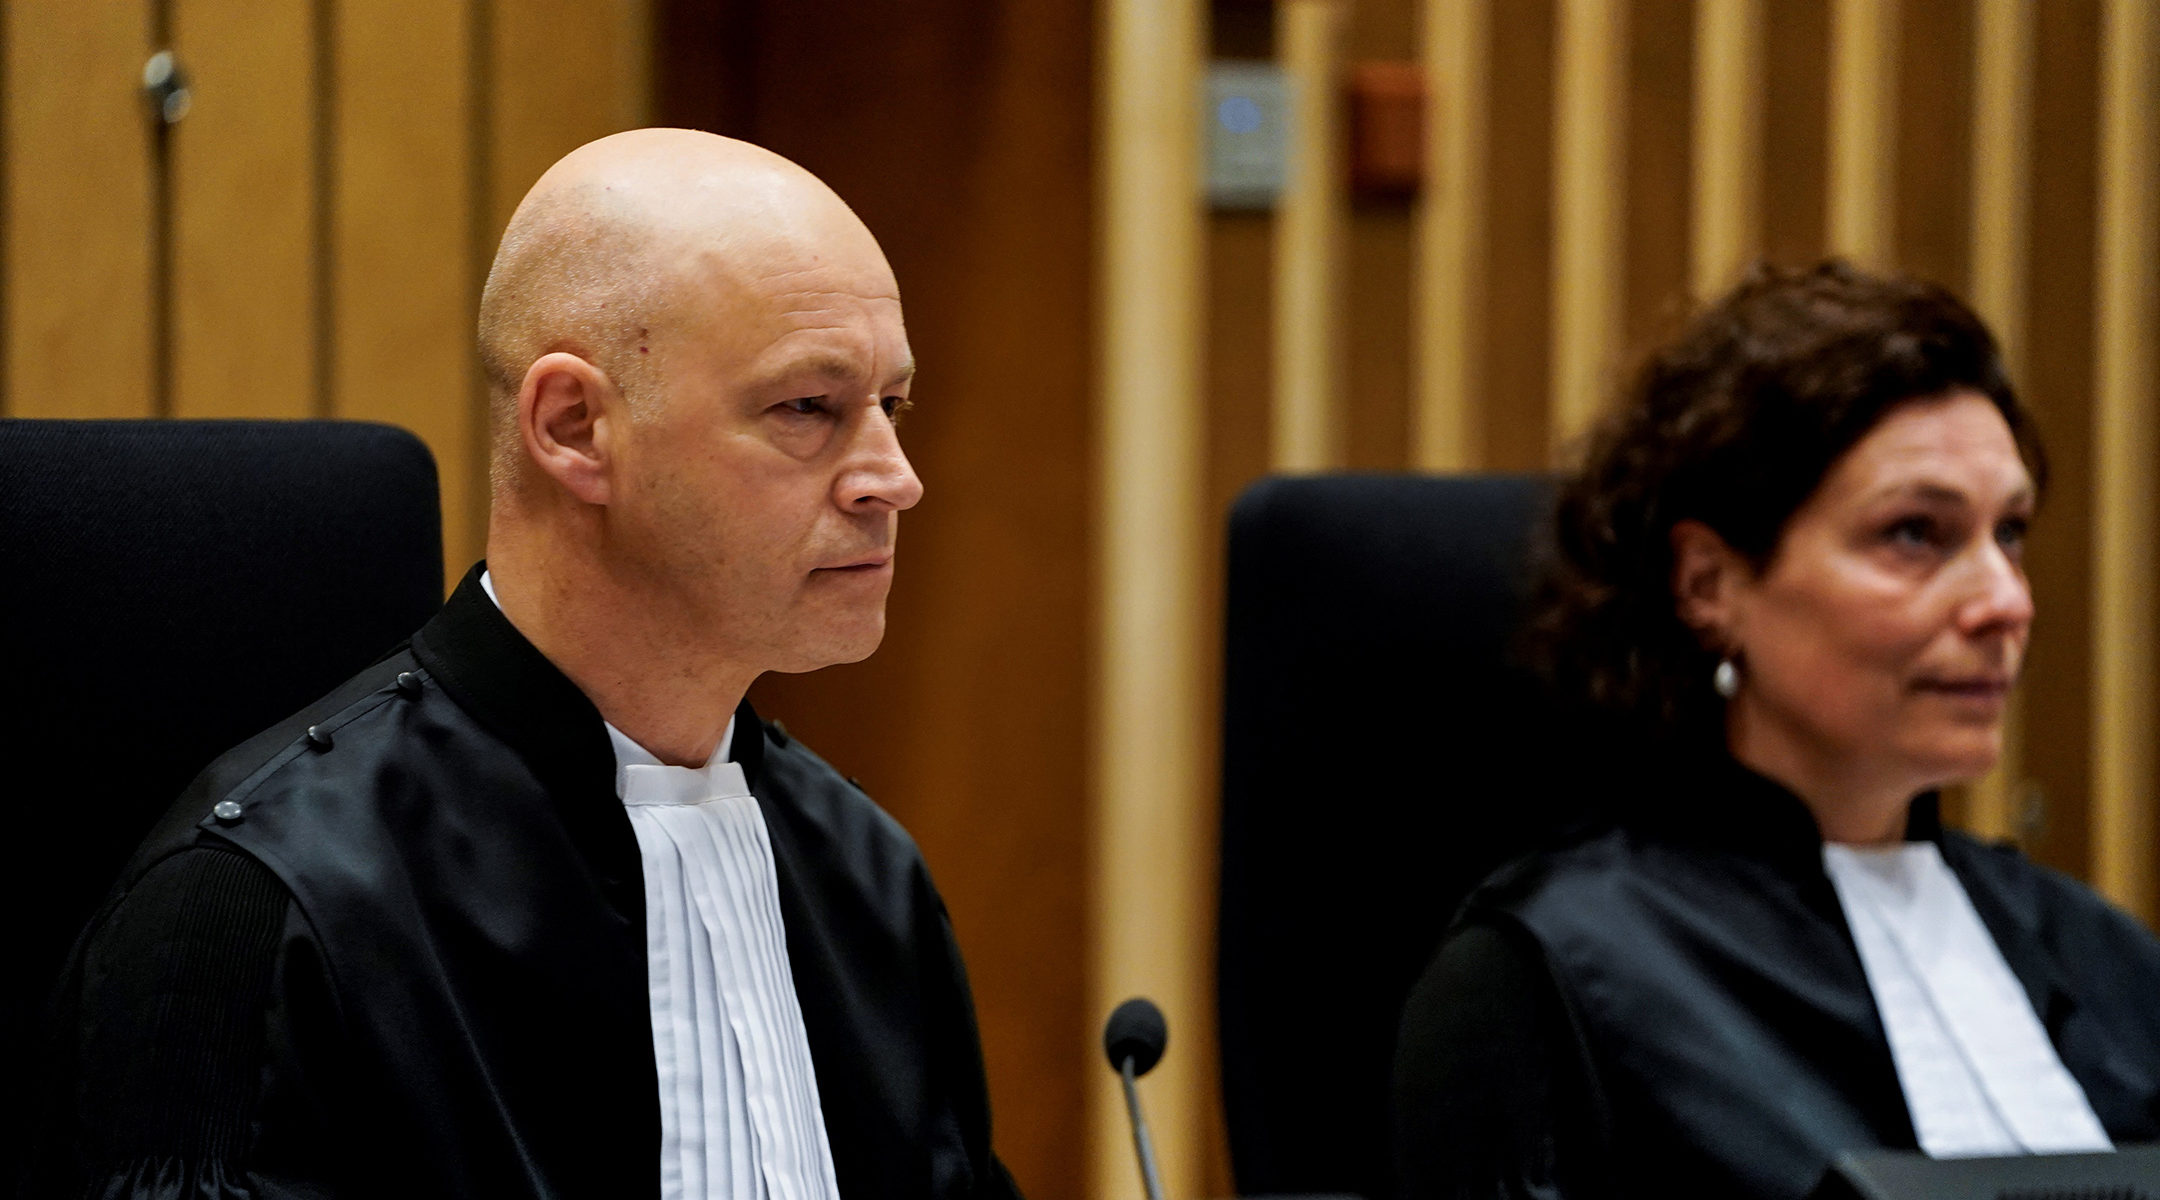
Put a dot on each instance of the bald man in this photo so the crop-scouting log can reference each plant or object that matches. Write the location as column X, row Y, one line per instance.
column 538, row 906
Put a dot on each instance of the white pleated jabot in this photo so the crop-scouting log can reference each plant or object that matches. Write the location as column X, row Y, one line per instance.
column 739, row 1112
column 1977, row 1069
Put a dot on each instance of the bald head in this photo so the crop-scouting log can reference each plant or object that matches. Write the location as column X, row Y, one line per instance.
column 697, row 356
column 637, row 240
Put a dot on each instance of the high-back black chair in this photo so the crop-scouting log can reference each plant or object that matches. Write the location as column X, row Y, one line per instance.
column 1380, row 756
column 167, row 589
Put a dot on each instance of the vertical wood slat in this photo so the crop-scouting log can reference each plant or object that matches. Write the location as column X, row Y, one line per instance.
column 243, row 200
column 2001, row 243
column 1931, row 125
column 2126, row 447
column 1588, row 187
column 1795, row 130
column 1656, row 216
column 532, row 119
column 1863, row 99
column 525, row 119
column 1728, row 133
column 401, row 288
column 1451, row 231
column 2054, row 825
column 1514, row 302
column 1306, row 429
column 1147, row 900
column 78, row 250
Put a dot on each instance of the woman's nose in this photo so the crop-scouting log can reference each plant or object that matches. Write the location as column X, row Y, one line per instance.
column 2001, row 594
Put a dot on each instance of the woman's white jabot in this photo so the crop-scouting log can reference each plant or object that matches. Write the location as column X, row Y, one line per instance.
column 1979, row 1074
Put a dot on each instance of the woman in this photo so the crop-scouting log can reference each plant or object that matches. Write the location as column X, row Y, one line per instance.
column 1788, row 583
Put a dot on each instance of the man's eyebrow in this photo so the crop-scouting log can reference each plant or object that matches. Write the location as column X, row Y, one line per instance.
column 835, row 367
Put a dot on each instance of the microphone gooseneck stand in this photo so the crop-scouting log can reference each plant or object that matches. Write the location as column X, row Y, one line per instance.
column 1142, row 1147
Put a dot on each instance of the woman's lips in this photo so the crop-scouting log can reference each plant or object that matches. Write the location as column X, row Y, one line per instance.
column 1982, row 688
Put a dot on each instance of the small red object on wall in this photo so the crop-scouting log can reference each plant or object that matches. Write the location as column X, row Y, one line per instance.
column 1387, row 129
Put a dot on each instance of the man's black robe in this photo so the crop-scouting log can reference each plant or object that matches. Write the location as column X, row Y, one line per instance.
column 1675, row 1007
column 396, row 946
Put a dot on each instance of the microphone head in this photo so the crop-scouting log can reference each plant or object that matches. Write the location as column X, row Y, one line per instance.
column 1135, row 1031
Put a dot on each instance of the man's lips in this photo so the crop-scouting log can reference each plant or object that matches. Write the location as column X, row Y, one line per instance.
column 867, row 564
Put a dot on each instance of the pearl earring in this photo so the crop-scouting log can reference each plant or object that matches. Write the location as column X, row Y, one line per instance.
column 1726, row 679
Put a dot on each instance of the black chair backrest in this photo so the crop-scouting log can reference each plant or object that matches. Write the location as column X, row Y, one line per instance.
column 1380, row 756
column 168, row 589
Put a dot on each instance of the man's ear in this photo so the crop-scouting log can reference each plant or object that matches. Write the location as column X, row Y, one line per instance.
column 1707, row 580
column 568, row 412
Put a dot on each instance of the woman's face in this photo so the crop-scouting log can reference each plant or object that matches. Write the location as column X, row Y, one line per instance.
column 1881, row 641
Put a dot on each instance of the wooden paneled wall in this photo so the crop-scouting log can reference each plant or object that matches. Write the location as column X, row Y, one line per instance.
column 1594, row 168
column 2001, row 147
column 963, row 133
column 1651, row 148
column 309, row 239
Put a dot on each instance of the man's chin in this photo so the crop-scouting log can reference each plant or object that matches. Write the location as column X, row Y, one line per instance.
column 839, row 650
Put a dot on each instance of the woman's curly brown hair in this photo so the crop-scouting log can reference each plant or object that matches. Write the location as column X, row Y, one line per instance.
column 1734, row 425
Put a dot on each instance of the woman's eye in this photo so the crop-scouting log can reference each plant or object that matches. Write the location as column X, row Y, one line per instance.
column 1913, row 531
column 2010, row 534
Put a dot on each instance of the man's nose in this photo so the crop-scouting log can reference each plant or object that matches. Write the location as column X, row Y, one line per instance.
column 877, row 474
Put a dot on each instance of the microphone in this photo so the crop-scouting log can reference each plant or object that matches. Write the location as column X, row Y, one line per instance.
column 1134, row 1038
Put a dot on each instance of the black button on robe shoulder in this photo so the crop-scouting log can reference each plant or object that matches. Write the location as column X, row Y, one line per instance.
column 415, row 963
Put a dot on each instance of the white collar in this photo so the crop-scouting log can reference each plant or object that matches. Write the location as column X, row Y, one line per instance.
column 641, row 778
column 1978, row 1072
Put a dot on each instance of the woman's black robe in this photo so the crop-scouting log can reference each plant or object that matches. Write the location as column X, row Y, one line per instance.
column 1675, row 1007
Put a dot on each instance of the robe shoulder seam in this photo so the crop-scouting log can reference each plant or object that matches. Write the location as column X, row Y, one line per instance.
column 261, row 776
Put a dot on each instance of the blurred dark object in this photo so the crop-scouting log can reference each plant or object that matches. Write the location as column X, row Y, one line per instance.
column 1381, row 754
column 2130, row 1173
column 170, row 588
column 1387, row 129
